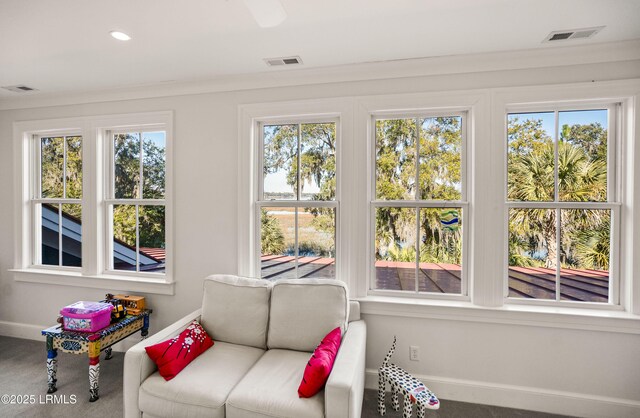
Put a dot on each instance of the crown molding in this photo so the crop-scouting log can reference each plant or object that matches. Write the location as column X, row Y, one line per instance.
column 417, row 67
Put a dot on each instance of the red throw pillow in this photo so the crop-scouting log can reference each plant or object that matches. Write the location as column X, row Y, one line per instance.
column 173, row 355
column 320, row 364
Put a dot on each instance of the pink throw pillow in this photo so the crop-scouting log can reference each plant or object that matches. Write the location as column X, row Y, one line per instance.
column 320, row 364
column 173, row 355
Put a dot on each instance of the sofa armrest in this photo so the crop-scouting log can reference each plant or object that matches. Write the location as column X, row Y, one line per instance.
column 344, row 390
column 138, row 366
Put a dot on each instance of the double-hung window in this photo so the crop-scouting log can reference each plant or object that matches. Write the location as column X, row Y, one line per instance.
column 419, row 203
column 94, row 201
column 136, row 200
column 297, row 204
column 562, row 203
column 56, row 202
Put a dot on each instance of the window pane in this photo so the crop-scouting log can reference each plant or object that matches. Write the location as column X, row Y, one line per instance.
column 280, row 162
column 531, row 157
column 532, row 253
column 582, row 156
column 317, row 242
column 440, row 156
column 124, row 237
column 585, row 255
column 50, row 235
column 318, row 161
column 74, row 167
column 72, row 235
column 127, row 165
column 52, row 166
column 277, row 239
column 395, row 249
column 440, row 250
column 396, row 159
column 153, row 164
column 152, row 238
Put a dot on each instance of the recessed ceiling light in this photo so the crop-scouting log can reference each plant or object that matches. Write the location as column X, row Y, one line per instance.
column 121, row 36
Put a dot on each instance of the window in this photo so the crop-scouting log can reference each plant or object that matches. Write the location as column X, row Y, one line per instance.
column 297, row 199
column 93, row 201
column 562, row 204
column 136, row 200
column 419, row 204
column 57, row 201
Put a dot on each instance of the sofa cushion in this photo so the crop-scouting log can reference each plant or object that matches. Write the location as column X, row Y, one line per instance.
column 173, row 355
column 320, row 364
column 270, row 389
column 236, row 309
column 303, row 311
column 202, row 388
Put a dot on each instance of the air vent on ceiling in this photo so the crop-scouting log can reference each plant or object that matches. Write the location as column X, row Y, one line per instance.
column 20, row 88
column 563, row 35
column 273, row 62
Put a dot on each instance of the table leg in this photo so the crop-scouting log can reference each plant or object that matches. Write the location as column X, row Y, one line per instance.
column 52, row 366
column 107, row 353
column 145, row 327
column 94, row 370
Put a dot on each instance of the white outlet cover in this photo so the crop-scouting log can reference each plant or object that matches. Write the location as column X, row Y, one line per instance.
column 414, row 353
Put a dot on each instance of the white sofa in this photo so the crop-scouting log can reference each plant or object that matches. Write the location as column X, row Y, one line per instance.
column 264, row 334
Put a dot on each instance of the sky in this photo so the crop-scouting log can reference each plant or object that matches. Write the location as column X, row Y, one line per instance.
column 581, row 117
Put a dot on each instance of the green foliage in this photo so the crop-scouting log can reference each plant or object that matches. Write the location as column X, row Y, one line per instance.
column 52, row 169
column 582, row 177
column 272, row 238
column 431, row 169
column 317, row 145
column 311, row 248
column 151, row 218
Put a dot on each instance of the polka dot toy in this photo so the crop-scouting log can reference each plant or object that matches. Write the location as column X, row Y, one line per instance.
column 413, row 390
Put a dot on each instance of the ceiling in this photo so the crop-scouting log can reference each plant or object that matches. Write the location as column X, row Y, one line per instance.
column 64, row 45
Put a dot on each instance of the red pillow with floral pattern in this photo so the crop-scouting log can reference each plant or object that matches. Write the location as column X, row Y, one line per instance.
column 320, row 364
column 173, row 355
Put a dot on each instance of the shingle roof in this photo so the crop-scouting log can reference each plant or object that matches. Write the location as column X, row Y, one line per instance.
column 524, row 282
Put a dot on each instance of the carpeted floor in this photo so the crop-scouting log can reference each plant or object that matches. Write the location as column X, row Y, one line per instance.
column 23, row 377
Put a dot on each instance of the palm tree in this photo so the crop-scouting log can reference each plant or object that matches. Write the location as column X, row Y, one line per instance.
column 531, row 177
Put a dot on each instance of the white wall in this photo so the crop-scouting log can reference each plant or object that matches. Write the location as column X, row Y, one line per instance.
column 594, row 373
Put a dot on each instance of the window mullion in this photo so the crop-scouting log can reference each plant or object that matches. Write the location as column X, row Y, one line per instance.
column 556, row 184
column 64, row 167
column 137, row 239
column 59, row 234
column 140, row 194
column 558, row 247
column 299, row 197
column 417, row 197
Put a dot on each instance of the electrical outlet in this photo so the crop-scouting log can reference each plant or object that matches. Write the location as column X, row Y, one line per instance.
column 414, row 353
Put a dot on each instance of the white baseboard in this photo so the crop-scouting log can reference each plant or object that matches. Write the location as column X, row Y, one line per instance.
column 33, row 332
column 522, row 397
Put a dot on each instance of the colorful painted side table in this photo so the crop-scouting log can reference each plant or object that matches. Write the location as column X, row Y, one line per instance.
column 92, row 343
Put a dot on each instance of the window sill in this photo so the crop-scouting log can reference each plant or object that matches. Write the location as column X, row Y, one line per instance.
column 539, row 316
column 106, row 282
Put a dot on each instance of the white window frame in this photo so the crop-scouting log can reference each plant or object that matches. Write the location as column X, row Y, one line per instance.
column 37, row 200
column 486, row 179
column 95, row 247
column 250, row 177
column 110, row 200
column 417, row 204
column 298, row 203
column 613, row 204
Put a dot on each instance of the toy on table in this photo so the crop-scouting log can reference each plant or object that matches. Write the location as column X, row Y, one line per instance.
column 134, row 304
column 119, row 310
column 413, row 390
